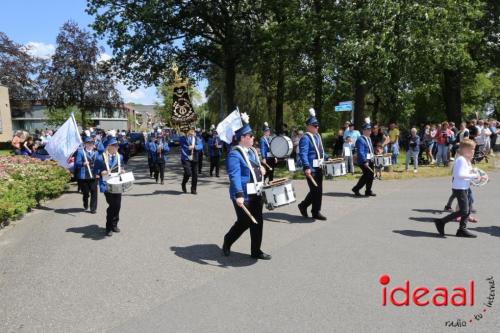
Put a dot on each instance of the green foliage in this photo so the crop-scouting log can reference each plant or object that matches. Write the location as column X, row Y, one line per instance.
column 57, row 116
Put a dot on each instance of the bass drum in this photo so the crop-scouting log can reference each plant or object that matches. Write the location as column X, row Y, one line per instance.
column 281, row 146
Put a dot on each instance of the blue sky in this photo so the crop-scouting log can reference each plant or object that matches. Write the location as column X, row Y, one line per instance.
column 37, row 23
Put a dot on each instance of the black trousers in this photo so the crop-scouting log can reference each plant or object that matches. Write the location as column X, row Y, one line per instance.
column 160, row 170
column 151, row 165
column 243, row 222
column 366, row 178
column 114, row 201
column 200, row 161
column 190, row 171
column 270, row 173
column 214, row 164
column 463, row 209
column 89, row 188
column 315, row 195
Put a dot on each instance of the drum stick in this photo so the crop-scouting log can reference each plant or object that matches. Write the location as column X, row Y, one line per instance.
column 245, row 209
column 267, row 165
column 312, row 180
column 370, row 169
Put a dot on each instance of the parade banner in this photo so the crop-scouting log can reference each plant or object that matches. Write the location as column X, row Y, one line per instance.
column 64, row 142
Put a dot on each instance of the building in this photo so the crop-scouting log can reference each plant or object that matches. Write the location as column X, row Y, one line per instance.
column 5, row 116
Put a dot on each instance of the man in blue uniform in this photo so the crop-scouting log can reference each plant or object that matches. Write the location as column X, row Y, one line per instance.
column 246, row 178
column 159, row 159
column 84, row 164
column 364, row 148
column 151, row 150
column 110, row 162
column 189, row 158
column 312, row 155
column 268, row 160
column 123, row 147
column 199, row 138
column 214, row 151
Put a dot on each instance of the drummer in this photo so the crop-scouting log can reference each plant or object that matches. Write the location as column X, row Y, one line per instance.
column 312, row 155
column 268, row 160
column 365, row 151
column 110, row 162
column 245, row 176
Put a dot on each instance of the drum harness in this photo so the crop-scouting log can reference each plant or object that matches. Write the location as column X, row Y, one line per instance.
column 322, row 156
column 249, row 164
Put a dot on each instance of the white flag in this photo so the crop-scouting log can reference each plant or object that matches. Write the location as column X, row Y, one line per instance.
column 229, row 125
column 64, row 142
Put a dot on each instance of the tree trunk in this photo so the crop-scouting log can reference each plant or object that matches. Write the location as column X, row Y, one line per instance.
column 269, row 104
column 230, row 78
column 280, row 95
column 359, row 103
column 318, row 66
column 452, row 84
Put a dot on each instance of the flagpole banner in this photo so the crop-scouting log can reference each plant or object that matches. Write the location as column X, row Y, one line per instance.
column 64, row 143
column 227, row 127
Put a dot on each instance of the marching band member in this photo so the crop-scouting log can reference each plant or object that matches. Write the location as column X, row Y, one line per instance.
column 246, row 178
column 110, row 162
column 84, row 164
column 151, row 149
column 189, row 158
column 199, row 151
column 312, row 155
column 214, row 152
column 160, row 157
column 268, row 160
column 364, row 148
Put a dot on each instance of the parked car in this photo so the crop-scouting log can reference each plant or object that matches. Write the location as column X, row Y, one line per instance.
column 135, row 142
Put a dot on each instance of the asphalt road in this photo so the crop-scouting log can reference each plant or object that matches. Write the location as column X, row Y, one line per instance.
column 164, row 271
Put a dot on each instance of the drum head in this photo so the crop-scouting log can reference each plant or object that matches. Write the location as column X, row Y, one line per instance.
column 281, row 146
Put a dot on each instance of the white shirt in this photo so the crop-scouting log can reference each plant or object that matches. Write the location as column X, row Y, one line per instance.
column 462, row 174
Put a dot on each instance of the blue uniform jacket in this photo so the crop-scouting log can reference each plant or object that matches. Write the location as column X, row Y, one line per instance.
column 101, row 166
column 81, row 171
column 99, row 146
column 264, row 146
column 239, row 173
column 363, row 149
column 307, row 153
column 164, row 152
column 151, row 149
column 213, row 149
column 185, row 143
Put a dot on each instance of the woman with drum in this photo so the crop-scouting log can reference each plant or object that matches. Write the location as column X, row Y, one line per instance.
column 268, row 160
column 312, row 155
column 107, row 164
column 246, row 179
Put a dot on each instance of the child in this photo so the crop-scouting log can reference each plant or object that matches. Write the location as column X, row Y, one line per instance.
column 348, row 158
column 462, row 175
column 378, row 168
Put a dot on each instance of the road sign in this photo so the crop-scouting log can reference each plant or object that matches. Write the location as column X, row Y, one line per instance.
column 343, row 108
column 347, row 103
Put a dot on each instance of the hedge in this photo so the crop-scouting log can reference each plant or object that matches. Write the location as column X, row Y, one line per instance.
column 25, row 182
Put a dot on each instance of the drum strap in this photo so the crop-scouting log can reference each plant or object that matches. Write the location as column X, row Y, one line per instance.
column 311, row 137
column 247, row 160
column 106, row 162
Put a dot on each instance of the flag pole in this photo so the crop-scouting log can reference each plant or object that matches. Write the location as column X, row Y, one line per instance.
column 81, row 142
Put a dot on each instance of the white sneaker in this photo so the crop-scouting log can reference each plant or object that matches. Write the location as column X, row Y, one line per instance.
column 415, row 170
column 452, row 158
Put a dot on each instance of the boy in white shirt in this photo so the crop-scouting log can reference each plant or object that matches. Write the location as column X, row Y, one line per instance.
column 462, row 175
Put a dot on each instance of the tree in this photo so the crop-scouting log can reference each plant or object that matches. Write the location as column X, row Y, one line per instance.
column 76, row 78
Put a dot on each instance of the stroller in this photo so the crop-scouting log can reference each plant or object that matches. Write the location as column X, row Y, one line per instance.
column 479, row 154
column 422, row 156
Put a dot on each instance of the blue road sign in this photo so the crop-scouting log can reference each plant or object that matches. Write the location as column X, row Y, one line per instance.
column 343, row 108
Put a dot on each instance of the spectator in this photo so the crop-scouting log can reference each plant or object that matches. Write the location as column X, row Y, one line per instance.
column 394, row 142
column 378, row 137
column 413, row 150
column 348, row 157
column 494, row 134
column 17, row 142
column 444, row 139
column 428, row 139
column 353, row 133
column 339, row 143
column 27, row 148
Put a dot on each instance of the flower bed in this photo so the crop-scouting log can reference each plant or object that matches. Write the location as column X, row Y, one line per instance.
column 25, row 182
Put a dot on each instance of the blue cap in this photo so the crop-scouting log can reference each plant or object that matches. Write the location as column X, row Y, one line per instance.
column 88, row 139
column 367, row 126
column 93, row 134
column 246, row 129
column 111, row 141
column 265, row 127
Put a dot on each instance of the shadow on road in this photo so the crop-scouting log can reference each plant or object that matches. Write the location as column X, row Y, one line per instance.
column 285, row 218
column 69, row 210
column 422, row 219
column 204, row 253
column 493, row 230
column 415, row 233
column 430, row 211
column 93, row 232
column 338, row 194
column 171, row 192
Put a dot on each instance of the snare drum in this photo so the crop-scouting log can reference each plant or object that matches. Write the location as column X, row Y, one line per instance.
column 334, row 168
column 281, row 146
column 120, row 183
column 383, row 160
column 279, row 192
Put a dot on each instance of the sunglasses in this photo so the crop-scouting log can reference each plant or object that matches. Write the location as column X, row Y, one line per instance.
column 316, row 126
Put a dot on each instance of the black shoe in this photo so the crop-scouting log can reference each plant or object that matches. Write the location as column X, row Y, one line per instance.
column 465, row 233
column 217, row 176
column 116, row 229
column 93, row 212
column 370, row 194
column 447, row 209
column 184, row 188
column 261, row 256
column 162, row 182
column 439, row 226
column 193, row 192
column 109, row 233
column 356, row 193
column 226, row 250
column 318, row 216
column 303, row 211
column 85, row 207
column 211, row 175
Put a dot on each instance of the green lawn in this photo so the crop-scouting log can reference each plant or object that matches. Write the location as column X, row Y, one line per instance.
column 4, row 152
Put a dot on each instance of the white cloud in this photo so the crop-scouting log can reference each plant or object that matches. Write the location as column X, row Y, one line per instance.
column 143, row 95
column 103, row 57
column 40, row 50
